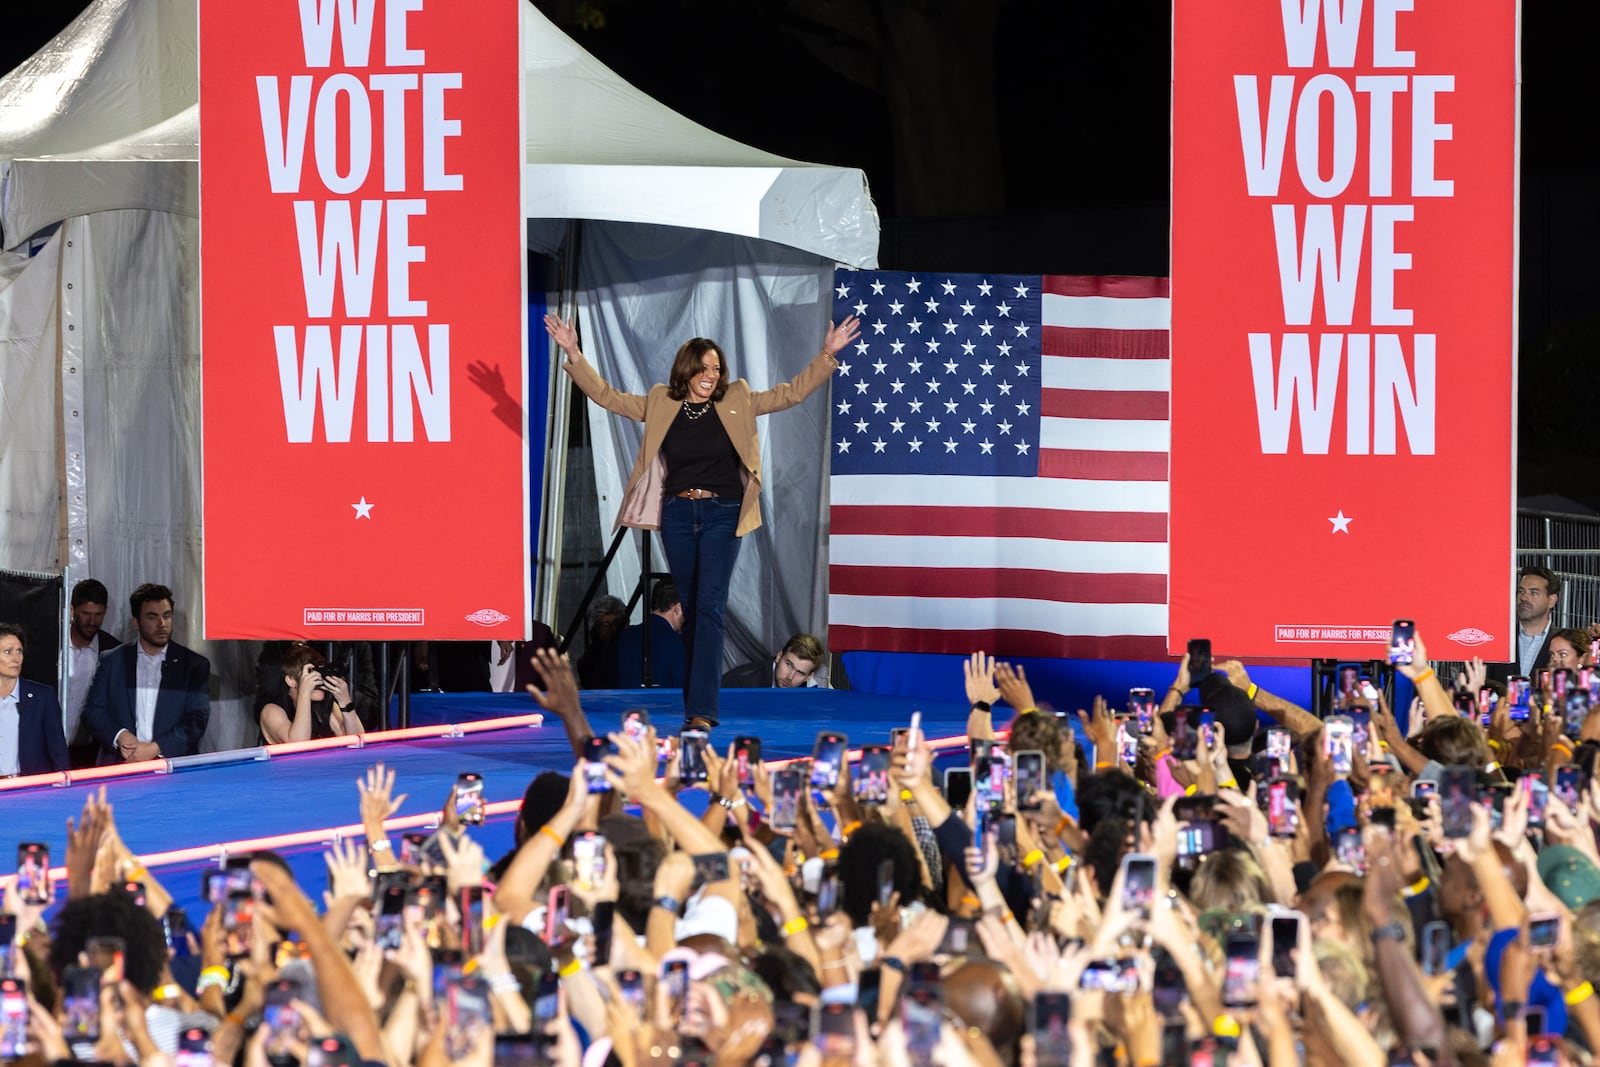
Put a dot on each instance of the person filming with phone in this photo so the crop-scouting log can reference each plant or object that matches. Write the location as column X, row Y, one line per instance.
column 320, row 699
column 698, row 480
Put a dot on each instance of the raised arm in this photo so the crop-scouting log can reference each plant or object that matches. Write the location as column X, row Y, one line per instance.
column 1300, row 722
column 628, row 405
column 788, row 394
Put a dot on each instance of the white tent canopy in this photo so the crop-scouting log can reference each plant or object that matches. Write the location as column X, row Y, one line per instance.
column 104, row 119
column 99, row 327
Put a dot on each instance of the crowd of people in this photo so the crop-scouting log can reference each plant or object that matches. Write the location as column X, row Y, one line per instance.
column 1223, row 877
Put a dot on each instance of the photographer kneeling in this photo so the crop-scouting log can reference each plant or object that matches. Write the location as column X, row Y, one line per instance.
column 320, row 695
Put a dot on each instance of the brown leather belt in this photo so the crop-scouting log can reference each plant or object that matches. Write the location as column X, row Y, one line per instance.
column 696, row 494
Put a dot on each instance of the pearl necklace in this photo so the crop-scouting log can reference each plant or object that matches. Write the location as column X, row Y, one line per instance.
column 692, row 412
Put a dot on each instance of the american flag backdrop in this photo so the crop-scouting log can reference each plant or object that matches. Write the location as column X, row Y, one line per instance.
column 999, row 465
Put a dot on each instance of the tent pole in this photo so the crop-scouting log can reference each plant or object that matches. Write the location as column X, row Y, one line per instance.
column 555, row 481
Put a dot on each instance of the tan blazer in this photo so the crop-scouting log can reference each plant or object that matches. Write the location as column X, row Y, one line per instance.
column 738, row 408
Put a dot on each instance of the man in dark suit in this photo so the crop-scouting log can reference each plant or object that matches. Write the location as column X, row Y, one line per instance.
column 1538, row 590
column 666, row 647
column 151, row 697
column 88, row 642
column 31, row 739
column 794, row 666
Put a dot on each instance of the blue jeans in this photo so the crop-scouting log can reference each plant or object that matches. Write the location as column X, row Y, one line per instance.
column 701, row 545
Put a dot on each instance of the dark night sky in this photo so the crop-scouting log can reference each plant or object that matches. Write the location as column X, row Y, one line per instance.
column 1083, row 92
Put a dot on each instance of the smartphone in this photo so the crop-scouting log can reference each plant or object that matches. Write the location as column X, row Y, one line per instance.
column 546, row 1000
column 1434, row 947
column 1201, row 837
column 1338, row 739
column 1538, row 796
column 1348, row 848
column 1142, row 706
column 1199, row 658
column 989, row 781
column 282, row 1020
column 711, row 867
column 469, row 900
column 175, row 931
column 787, row 785
column 1560, row 682
column 631, row 984
column 1127, row 744
column 1052, row 1043
column 1543, row 1050
column 1519, row 692
column 1110, row 976
column 827, row 757
column 1543, row 930
column 1242, row 971
column 135, row 892
column 675, row 985
column 8, row 947
column 636, row 724
column 595, row 751
column 588, row 860
column 33, row 872
column 194, row 1049
column 1138, row 882
column 957, row 787
column 692, row 756
column 1285, row 939
column 1570, row 786
column 871, row 782
column 1458, row 791
column 238, row 912
column 1280, row 746
column 828, row 895
column 14, row 1018
column 217, row 884
column 412, row 847
column 1167, row 987
column 80, row 998
column 1535, row 1020
column 747, row 756
column 921, row 1014
column 1185, row 740
column 555, row 916
column 335, row 1050
column 469, row 798
column 1360, row 729
column 913, row 731
column 465, row 1010
column 1029, row 770
column 603, row 920
column 836, row 1032
column 886, row 885
column 390, row 922
column 1403, row 641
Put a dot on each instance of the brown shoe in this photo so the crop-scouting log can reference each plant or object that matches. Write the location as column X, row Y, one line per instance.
column 698, row 722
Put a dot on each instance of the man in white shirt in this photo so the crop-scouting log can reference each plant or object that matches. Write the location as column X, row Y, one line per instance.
column 30, row 718
column 88, row 642
column 150, row 698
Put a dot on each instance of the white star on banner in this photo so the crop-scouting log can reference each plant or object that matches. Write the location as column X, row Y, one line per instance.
column 914, row 286
column 844, row 407
column 1341, row 523
column 877, row 288
column 950, row 445
column 983, row 288
column 879, row 445
column 949, row 287
column 879, row 406
column 843, row 291
column 363, row 509
column 1022, row 292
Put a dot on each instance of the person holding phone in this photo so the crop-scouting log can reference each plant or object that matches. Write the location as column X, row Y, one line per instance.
column 698, row 479
column 32, row 740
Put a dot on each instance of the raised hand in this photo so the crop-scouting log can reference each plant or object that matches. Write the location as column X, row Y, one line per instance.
column 838, row 337
column 560, row 696
column 376, row 805
column 978, row 673
column 565, row 337
column 1013, row 685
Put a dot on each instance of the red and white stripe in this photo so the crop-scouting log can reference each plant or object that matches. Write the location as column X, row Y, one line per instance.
column 1071, row 563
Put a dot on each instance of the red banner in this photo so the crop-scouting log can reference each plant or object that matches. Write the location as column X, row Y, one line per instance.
column 1344, row 210
column 364, row 319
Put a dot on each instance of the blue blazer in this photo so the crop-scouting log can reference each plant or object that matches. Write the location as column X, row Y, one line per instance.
column 41, row 744
column 183, row 706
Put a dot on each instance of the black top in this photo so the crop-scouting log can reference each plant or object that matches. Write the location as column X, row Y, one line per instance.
column 699, row 455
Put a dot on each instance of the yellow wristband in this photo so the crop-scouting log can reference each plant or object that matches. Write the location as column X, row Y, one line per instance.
column 1103, row 765
column 851, row 828
column 553, row 835
column 1423, row 677
column 1027, row 711
column 1231, row 783
column 1578, row 994
column 796, row 925
column 1062, row 864
column 1066, row 821
column 1419, row 886
column 571, row 969
column 1190, row 790
column 1225, row 1026
column 828, row 854
column 1031, row 858
column 220, row 973
column 137, row 874
column 1252, row 691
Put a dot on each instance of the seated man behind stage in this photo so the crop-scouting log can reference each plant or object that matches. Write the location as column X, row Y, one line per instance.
column 794, row 666
column 666, row 647
column 320, row 704
column 150, row 698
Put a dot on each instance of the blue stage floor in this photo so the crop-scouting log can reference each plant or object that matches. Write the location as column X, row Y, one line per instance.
column 216, row 805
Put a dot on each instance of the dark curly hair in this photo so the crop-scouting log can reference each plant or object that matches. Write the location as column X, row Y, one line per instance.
column 110, row 915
